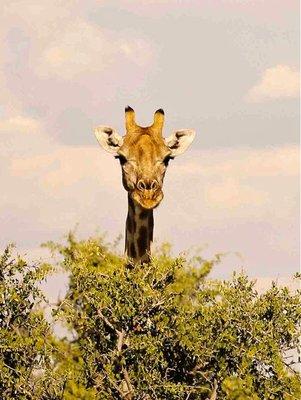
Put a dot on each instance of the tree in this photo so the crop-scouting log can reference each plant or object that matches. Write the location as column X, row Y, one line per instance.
column 25, row 335
column 166, row 331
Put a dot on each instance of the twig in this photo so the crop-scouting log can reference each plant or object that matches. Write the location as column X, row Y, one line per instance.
column 214, row 392
column 121, row 336
column 63, row 389
column 128, row 393
column 105, row 319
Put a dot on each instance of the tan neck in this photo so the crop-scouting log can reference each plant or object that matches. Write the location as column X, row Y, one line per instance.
column 139, row 232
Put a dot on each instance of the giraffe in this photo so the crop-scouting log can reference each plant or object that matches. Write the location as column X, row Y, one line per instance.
column 144, row 155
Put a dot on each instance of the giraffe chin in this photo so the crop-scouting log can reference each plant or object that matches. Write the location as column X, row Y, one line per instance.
column 146, row 202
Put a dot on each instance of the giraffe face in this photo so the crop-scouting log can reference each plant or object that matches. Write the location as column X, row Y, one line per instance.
column 144, row 155
column 144, row 158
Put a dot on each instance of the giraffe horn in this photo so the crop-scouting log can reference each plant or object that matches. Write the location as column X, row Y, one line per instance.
column 129, row 118
column 158, row 119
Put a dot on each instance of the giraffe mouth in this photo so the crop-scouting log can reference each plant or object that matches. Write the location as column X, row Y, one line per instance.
column 147, row 199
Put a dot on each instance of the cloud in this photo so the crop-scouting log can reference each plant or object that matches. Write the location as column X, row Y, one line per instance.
column 243, row 162
column 23, row 136
column 81, row 47
column 281, row 81
column 69, row 167
column 43, row 181
column 232, row 194
column 78, row 47
column 19, row 124
column 65, row 43
column 236, row 184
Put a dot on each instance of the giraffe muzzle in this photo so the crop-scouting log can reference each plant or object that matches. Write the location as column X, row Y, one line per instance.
column 147, row 194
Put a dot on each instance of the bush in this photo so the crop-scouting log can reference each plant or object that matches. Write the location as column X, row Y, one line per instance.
column 25, row 336
column 157, row 331
column 166, row 331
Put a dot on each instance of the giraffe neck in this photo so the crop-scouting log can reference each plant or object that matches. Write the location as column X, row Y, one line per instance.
column 139, row 232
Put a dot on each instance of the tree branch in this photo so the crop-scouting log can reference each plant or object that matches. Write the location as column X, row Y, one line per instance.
column 126, row 386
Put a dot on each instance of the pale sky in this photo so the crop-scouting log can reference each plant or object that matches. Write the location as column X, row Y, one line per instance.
column 228, row 69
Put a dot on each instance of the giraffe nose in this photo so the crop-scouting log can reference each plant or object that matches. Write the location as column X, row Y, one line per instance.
column 146, row 184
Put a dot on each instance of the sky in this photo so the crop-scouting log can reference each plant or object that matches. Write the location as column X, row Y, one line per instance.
column 228, row 69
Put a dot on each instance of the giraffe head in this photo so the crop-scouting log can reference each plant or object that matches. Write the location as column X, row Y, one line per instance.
column 144, row 154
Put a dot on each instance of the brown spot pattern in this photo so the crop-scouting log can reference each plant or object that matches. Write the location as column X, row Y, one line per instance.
column 175, row 145
column 142, row 241
column 144, row 214
column 131, row 203
column 133, row 253
column 130, row 225
column 150, row 227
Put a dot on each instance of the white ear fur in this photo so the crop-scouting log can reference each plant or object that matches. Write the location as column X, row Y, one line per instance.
column 108, row 138
column 179, row 141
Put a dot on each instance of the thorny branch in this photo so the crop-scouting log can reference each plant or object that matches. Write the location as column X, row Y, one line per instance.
column 126, row 386
column 214, row 391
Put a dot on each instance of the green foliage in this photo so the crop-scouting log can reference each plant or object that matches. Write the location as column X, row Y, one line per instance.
column 165, row 331
column 25, row 337
column 157, row 331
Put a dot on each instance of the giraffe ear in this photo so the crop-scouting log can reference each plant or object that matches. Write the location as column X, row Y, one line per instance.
column 108, row 138
column 179, row 141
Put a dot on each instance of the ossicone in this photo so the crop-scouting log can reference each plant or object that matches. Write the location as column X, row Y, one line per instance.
column 160, row 111
column 128, row 109
column 158, row 120
column 129, row 118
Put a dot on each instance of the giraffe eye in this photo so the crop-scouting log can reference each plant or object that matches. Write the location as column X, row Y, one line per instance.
column 121, row 159
column 166, row 160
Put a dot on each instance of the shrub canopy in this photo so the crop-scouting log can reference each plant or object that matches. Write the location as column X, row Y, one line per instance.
column 25, row 336
column 158, row 331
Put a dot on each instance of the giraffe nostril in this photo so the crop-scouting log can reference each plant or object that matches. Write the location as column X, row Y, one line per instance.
column 141, row 185
column 147, row 184
column 154, row 185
